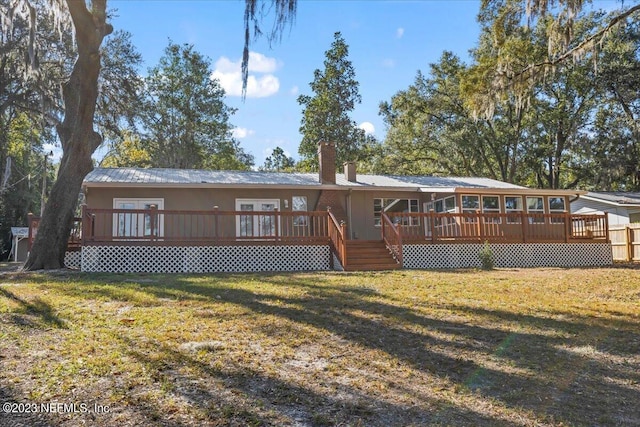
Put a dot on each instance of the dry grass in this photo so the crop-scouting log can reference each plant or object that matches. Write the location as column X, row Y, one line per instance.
column 499, row 348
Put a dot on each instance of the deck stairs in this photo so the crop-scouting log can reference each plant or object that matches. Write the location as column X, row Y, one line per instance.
column 367, row 255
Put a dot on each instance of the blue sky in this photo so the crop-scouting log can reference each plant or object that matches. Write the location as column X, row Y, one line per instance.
column 388, row 40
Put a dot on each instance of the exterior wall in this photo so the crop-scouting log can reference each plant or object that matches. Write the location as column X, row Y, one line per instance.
column 362, row 218
column 205, row 259
column 195, row 198
column 508, row 255
column 617, row 215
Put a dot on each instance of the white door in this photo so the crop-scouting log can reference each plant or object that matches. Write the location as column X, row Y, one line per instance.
column 137, row 224
column 256, row 225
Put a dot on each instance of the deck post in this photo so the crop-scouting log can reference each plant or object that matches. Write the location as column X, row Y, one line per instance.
column 84, row 224
column 567, row 226
column 154, row 210
column 276, row 217
column 606, row 227
column 480, row 224
column 216, row 230
column 432, row 224
column 523, row 222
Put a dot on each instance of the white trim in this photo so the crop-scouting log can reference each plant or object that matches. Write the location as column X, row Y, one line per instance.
column 139, row 225
column 255, row 225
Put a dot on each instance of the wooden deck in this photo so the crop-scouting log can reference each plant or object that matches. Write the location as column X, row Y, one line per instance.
column 129, row 227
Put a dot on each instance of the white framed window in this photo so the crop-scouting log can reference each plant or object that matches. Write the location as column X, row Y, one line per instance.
column 299, row 204
column 138, row 224
column 256, row 225
column 513, row 206
column 556, row 206
column 491, row 204
column 535, row 205
column 389, row 206
column 470, row 204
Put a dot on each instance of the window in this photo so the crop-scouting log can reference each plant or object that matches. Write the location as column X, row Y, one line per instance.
column 513, row 207
column 391, row 206
column 556, row 206
column 439, row 205
column 470, row 205
column 138, row 224
column 299, row 204
column 450, row 204
column 491, row 205
column 535, row 205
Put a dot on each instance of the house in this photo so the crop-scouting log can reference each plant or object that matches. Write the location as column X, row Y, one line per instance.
column 174, row 220
column 622, row 207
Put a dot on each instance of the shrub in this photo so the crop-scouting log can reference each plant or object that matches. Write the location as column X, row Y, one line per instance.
column 486, row 257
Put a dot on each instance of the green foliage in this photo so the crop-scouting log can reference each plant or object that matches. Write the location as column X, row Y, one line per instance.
column 185, row 118
column 278, row 161
column 487, row 259
column 326, row 113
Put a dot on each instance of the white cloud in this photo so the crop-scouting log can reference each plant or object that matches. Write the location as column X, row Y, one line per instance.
column 294, row 90
column 368, row 128
column 399, row 33
column 258, row 86
column 242, row 132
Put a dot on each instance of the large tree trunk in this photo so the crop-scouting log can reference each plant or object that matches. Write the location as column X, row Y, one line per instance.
column 78, row 138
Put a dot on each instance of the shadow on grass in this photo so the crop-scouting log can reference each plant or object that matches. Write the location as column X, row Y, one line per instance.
column 575, row 370
column 38, row 308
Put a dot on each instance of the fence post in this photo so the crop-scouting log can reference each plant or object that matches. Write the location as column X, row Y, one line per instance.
column 628, row 241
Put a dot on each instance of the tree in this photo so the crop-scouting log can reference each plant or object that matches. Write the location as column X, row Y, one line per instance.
column 564, row 44
column 80, row 92
column 278, row 161
column 185, row 120
column 326, row 114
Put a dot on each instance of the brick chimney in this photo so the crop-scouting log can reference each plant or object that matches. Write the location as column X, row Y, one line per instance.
column 350, row 171
column 327, row 162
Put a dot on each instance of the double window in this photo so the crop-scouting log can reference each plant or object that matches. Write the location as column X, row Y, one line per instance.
column 513, row 207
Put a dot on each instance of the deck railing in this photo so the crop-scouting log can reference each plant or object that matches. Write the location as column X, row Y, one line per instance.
column 392, row 237
column 164, row 227
column 516, row 227
column 116, row 226
column 337, row 238
column 75, row 237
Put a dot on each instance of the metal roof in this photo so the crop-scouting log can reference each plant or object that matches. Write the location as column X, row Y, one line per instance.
column 614, row 197
column 193, row 177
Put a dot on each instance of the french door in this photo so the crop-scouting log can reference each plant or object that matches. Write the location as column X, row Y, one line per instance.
column 256, row 225
column 138, row 224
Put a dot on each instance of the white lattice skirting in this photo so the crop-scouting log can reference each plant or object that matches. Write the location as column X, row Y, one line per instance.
column 204, row 259
column 72, row 259
column 515, row 255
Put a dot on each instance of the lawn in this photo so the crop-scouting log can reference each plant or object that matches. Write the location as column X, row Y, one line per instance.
column 498, row 348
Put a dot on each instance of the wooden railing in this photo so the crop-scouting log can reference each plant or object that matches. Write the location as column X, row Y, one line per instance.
column 198, row 227
column 75, row 237
column 337, row 238
column 392, row 237
column 500, row 227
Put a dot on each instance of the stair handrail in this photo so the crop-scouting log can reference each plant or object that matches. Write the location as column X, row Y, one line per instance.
column 392, row 237
column 338, row 242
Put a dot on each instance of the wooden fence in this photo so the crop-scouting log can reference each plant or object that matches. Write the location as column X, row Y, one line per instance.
column 625, row 242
